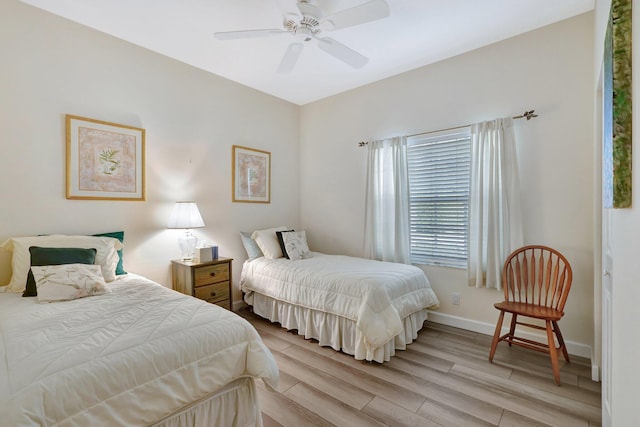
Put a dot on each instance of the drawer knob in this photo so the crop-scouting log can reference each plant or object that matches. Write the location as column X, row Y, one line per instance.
column 212, row 274
column 213, row 294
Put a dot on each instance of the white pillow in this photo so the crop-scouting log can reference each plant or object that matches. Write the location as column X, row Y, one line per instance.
column 106, row 254
column 68, row 281
column 268, row 242
column 295, row 243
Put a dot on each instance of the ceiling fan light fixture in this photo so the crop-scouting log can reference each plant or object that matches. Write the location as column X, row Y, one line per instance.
column 305, row 34
column 310, row 22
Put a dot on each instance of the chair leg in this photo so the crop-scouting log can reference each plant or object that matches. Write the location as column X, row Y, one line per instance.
column 563, row 347
column 512, row 329
column 496, row 336
column 553, row 352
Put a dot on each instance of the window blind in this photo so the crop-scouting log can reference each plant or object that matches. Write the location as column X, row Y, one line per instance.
column 438, row 166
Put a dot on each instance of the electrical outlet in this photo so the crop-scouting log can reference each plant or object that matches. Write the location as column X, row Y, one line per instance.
column 455, row 298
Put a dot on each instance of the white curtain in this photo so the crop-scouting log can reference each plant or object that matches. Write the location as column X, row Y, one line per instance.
column 387, row 201
column 495, row 217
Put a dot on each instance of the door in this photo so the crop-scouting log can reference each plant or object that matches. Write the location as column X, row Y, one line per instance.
column 605, row 98
column 607, row 273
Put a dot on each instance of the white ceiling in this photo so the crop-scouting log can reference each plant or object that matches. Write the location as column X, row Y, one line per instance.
column 417, row 33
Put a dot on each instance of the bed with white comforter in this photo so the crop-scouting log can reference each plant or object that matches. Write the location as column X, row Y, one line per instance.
column 363, row 307
column 140, row 355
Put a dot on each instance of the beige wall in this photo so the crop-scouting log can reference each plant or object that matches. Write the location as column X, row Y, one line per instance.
column 551, row 70
column 51, row 67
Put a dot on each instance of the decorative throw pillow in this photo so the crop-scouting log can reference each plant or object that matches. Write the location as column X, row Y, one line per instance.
column 295, row 243
column 120, row 236
column 268, row 242
column 68, row 281
column 281, row 242
column 252, row 248
column 106, row 255
column 55, row 256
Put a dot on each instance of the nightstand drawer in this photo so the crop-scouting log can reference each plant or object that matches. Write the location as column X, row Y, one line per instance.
column 209, row 281
column 211, row 274
column 213, row 293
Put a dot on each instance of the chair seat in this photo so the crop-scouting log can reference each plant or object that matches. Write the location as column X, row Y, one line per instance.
column 530, row 310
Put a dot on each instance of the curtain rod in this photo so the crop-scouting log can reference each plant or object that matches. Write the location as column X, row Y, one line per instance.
column 526, row 115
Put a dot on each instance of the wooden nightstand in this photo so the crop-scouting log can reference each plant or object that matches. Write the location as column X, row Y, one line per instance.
column 209, row 281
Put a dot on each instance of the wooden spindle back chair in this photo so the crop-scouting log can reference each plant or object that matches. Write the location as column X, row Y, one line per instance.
column 536, row 281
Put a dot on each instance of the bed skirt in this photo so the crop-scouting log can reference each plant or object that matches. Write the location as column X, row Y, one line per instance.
column 235, row 405
column 332, row 330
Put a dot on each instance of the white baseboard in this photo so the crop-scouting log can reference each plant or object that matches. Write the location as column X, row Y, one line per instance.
column 595, row 372
column 575, row 348
column 237, row 305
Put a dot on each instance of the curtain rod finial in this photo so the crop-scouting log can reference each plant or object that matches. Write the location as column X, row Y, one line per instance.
column 527, row 115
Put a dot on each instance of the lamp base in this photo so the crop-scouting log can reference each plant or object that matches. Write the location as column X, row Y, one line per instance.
column 187, row 245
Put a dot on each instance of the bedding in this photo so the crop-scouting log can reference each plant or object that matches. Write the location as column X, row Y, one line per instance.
column 120, row 236
column 363, row 307
column 137, row 356
column 106, row 254
column 250, row 245
column 267, row 241
column 68, row 281
column 55, row 256
column 294, row 244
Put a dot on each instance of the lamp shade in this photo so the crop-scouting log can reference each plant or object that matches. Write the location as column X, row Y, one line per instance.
column 185, row 215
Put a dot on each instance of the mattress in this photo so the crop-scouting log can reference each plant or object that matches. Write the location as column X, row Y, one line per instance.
column 375, row 296
column 131, row 357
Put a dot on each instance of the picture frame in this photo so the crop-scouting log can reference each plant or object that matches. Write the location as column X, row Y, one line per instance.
column 617, row 108
column 251, row 175
column 105, row 161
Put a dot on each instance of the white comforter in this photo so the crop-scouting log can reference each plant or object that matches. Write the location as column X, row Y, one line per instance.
column 376, row 295
column 127, row 358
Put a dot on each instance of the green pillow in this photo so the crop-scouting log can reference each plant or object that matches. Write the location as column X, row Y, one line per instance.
column 120, row 236
column 55, row 256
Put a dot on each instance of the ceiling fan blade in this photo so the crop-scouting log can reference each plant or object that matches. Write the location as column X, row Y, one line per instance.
column 245, row 34
column 356, row 15
column 342, row 52
column 290, row 58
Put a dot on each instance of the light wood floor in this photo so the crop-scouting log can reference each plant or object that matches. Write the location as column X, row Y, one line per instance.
column 443, row 379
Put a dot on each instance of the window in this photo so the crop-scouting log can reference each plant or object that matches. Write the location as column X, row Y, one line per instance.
column 439, row 197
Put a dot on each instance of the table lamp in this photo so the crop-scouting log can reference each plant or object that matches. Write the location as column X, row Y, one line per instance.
column 187, row 216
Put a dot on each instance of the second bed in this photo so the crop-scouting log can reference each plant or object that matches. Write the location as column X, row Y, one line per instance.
column 365, row 308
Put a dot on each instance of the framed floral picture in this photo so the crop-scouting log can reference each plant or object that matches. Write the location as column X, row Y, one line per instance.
column 251, row 175
column 104, row 160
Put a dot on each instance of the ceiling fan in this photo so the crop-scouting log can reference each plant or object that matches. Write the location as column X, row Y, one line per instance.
column 308, row 22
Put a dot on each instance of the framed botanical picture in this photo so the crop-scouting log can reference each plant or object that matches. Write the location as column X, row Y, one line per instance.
column 251, row 175
column 104, row 160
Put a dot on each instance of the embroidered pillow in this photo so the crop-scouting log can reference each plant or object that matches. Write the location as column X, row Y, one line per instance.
column 55, row 256
column 281, row 242
column 295, row 243
column 68, row 282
